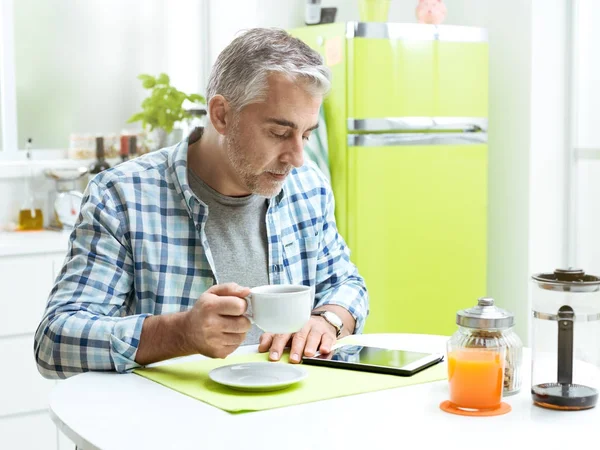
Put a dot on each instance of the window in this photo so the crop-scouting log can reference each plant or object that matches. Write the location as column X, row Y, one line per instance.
column 76, row 62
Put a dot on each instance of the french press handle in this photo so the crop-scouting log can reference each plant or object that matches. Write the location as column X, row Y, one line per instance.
column 566, row 319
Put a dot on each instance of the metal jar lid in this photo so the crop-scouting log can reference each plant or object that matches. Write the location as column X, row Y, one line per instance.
column 567, row 280
column 485, row 316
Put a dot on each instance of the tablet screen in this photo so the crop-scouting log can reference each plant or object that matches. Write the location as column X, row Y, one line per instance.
column 374, row 356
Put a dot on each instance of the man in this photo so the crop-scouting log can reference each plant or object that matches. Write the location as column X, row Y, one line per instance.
column 166, row 244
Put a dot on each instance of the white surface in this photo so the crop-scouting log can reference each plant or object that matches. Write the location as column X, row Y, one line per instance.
column 548, row 159
column 586, row 100
column 34, row 432
column 588, row 216
column 31, row 242
column 549, row 126
column 258, row 376
column 22, row 388
column 82, row 404
column 8, row 101
column 26, row 281
column 509, row 25
column 588, row 73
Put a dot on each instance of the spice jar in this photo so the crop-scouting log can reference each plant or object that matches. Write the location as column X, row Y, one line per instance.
column 487, row 326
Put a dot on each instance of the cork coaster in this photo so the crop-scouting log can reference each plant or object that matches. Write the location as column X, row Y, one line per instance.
column 448, row 407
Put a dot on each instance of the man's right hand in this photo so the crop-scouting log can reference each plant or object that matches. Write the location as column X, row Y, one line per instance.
column 216, row 325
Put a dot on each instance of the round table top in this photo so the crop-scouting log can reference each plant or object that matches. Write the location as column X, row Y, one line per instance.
column 112, row 411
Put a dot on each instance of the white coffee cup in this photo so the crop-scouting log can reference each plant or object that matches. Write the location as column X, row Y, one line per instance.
column 280, row 308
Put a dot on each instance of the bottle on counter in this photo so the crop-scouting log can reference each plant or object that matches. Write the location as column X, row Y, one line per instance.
column 30, row 216
column 124, row 149
column 100, row 164
column 132, row 146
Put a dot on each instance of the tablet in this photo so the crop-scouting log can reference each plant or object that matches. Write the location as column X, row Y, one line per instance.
column 375, row 359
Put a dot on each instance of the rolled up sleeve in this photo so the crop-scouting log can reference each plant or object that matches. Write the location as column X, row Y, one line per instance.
column 89, row 323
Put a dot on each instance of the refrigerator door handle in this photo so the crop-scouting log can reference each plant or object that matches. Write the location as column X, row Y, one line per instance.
column 389, row 140
column 419, row 123
column 415, row 31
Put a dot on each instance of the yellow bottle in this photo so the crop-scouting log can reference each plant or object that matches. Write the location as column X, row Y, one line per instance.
column 30, row 217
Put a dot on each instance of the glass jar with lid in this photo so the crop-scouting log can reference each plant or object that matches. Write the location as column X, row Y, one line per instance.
column 485, row 326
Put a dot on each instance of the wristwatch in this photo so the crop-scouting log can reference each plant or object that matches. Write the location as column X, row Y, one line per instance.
column 332, row 319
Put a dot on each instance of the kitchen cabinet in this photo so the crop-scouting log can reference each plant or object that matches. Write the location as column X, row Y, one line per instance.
column 34, row 431
column 22, row 388
column 29, row 263
column 26, row 281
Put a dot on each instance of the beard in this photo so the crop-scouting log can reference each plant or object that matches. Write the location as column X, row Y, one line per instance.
column 257, row 182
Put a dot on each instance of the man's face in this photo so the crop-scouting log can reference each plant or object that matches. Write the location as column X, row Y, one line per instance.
column 265, row 141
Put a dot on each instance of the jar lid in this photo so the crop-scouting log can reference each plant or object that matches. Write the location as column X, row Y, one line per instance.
column 567, row 280
column 485, row 316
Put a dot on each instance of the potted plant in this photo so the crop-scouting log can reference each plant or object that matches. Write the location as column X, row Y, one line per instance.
column 163, row 108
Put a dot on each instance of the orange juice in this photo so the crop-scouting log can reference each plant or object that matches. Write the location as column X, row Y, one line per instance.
column 476, row 378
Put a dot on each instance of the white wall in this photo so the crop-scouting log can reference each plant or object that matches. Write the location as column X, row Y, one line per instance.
column 586, row 139
column 550, row 123
column 228, row 17
column 509, row 26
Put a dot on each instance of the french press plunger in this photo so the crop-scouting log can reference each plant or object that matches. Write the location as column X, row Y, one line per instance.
column 566, row 340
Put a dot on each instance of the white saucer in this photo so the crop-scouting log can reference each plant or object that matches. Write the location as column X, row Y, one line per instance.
column 258, row 376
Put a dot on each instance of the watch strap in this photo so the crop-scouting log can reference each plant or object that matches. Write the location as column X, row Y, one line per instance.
column 338, row 330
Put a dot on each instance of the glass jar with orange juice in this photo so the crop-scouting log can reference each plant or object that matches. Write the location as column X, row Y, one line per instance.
column 475, row 376
column 484, row 360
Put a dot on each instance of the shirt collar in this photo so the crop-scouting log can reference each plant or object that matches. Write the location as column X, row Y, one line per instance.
column 178, row 170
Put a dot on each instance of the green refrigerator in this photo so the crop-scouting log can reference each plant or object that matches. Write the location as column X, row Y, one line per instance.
column 407, row 137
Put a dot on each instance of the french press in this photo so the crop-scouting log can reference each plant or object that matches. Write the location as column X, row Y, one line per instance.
column 566, row 340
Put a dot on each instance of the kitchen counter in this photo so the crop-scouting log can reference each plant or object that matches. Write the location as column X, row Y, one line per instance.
column 33, row 242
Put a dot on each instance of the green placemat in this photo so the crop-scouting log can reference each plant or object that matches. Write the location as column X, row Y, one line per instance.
column 191, row 378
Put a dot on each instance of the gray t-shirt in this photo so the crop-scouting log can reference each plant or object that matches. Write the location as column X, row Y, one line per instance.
column 237, row 235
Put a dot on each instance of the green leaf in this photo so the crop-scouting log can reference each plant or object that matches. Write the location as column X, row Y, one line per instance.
column 196, row 98
column 163, row 78
column 149, row 83
column 179, row 97
column 144, row 76
column 136, row 118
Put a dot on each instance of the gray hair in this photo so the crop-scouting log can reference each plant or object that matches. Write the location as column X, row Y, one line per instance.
column 242, row 68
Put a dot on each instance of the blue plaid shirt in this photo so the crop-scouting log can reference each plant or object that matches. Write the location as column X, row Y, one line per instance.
column 139, row 248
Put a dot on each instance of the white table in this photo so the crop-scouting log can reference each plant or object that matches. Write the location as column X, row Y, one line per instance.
column 112, row 411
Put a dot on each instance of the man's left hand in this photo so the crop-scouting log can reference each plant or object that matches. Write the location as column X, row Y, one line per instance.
column 317, row 334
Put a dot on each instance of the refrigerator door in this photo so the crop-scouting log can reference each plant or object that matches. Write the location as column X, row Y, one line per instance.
column 412, row 70
column 417, row 226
